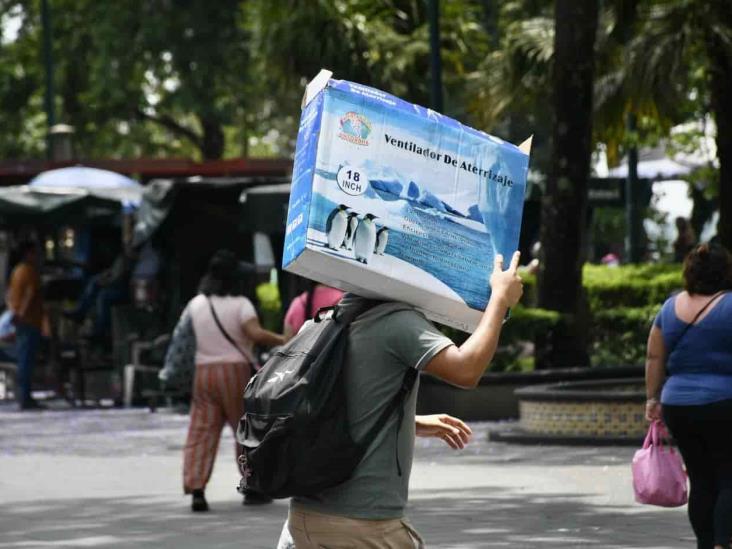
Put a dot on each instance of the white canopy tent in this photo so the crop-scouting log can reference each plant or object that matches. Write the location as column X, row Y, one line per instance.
column 668, row 172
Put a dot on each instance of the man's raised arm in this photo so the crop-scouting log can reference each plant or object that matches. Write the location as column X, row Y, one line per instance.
column 463, row 366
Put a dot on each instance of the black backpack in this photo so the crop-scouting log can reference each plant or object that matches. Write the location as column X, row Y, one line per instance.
column 295, row 430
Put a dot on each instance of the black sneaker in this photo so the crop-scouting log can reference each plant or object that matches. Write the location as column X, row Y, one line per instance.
column 73, row 315
column 255, row 498
column 199, row 503
column 30, row 404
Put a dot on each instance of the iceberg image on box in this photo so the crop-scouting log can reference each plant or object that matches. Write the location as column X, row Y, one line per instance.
column 403, row 192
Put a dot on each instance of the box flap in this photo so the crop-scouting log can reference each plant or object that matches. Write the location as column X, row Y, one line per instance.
column 315, row 86
column 525, row 147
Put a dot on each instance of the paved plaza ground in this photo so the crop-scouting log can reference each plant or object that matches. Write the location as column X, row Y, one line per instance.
column 111, row 478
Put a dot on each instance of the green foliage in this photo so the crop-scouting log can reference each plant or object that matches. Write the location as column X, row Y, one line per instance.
column 619, row 335
column 630, row 285
column 509, row 91
column 526, row 323
column 21, row 80
column 382, row 43
column 202, row 79
column 608, row 229
column 196, row 79
column 623, row 302
column 134, row 78
column 642, row 285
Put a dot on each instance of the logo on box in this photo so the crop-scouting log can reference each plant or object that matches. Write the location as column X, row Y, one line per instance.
column 352, row 181
column 355, row 128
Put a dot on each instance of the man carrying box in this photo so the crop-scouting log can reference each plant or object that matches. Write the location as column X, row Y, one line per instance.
column 368, row 509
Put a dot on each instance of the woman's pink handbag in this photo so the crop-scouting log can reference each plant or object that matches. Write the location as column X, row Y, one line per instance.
column 658, row 472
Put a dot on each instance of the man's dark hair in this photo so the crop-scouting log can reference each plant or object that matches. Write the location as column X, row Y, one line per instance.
column 309, row 298
column 707, row 270
column 25, row 246
column 223, row 276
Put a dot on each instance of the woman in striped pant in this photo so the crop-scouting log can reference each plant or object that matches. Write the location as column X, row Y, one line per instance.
column 226, row 329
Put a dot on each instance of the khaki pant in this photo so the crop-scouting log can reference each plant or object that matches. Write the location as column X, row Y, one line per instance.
column 318, row 531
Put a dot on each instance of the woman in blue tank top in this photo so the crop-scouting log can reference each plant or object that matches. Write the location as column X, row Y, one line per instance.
column 689, row 386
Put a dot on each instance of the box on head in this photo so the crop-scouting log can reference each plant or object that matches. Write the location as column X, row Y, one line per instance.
column 394, row 201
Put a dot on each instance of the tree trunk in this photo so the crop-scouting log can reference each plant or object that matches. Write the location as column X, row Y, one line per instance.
column 720, row 76
column 564, row 206
column 212, row 144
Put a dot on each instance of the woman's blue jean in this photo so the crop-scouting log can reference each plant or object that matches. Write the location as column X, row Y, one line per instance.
column 27, row 341
column 103, row 298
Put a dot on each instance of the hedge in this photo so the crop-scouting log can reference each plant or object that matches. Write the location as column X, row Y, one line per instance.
column 623, row 302
column 630, row 285
column 624, row 286
column 618, row 336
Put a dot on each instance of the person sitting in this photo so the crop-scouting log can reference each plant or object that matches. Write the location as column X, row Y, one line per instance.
column 102, row 291
column 685, row 239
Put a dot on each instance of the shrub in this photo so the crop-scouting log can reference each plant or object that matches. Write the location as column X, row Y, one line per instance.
column 630, row 285
column 514, row 355
column 525, row 323
column 625, row 286
column 618, row 336
column 623, row 302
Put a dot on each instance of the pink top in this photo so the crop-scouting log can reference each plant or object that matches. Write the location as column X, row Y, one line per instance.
column 211, row 345
column 323, row 296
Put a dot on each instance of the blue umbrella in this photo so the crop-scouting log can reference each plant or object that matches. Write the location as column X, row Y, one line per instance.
column 92, row 181
column 81, row 177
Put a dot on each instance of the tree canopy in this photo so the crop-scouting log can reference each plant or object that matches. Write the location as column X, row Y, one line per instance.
column 210, row 80
column 156, row 77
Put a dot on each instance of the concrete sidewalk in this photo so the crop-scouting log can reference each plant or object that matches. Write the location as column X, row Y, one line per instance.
column 112, row 479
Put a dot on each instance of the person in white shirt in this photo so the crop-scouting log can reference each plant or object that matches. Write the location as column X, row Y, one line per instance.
column 226, row 329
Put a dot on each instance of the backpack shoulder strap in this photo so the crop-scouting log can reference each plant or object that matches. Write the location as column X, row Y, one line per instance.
column 346, row 315
column 397, row 403
column 352, row 312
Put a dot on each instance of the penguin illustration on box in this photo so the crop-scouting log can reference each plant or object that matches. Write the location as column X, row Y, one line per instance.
column 335, row 227
column 382, row 238
column 350, row 230
column 365, row 240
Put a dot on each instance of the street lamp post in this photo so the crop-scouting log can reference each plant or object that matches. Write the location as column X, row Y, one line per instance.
column 632, row 198
column 48, row 64
column 433, row 14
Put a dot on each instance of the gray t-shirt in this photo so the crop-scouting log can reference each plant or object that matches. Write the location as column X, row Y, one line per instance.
column 383, row 343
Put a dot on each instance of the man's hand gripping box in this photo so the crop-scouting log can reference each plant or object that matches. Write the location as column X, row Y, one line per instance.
column 391, row 200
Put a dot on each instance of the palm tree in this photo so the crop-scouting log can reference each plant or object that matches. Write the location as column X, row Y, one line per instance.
column 649, row 56
column 678, row 47
column 381, row 43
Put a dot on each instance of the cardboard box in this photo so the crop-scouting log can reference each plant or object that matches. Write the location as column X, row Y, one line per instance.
column 392, row 200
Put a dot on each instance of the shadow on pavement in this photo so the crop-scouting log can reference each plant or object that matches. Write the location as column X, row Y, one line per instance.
column 447, row 519
column 489, row 517
column 139, row 522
